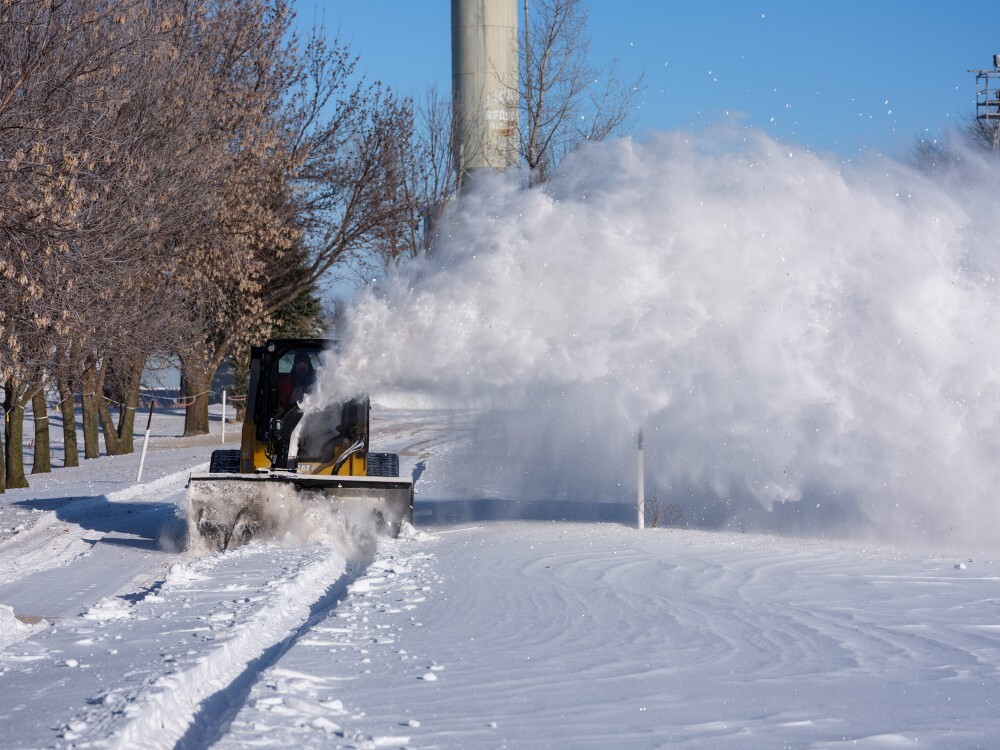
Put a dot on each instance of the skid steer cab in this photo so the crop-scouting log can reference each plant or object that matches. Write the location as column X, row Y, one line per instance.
column 295, row 464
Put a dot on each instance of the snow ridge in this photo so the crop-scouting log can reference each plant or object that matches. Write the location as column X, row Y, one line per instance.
column 193, row 704
column 310, row 696
column 43, row 547
column 170, row 481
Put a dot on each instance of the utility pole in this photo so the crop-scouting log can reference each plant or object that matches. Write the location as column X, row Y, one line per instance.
column 640, row 500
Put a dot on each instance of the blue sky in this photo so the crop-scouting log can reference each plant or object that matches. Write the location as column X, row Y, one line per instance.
column 840, row 77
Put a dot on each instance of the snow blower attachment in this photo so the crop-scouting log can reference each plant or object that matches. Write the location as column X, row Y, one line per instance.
column 294, row 471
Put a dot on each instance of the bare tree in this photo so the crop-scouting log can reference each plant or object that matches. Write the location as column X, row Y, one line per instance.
column 61, row 63
column 109, row 156
column 173, row 175
column 564, row 99
column 981, row 134
column 353, row 192
column 237, row 73
column 318, row 182
column 932, row 154
column 430, row 180
column 929, row 154
column 659, row 513
column 436, row 179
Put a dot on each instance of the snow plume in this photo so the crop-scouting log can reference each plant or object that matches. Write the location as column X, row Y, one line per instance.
column 794, row 335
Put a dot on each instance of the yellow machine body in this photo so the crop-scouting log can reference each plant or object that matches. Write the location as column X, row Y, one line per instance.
column 294, row 468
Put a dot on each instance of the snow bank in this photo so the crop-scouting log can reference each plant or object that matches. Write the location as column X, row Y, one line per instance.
column 12, row 630
column 794, row 334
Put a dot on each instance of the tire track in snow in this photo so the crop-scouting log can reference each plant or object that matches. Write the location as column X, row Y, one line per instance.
column 306, row 699
column 141, row 670
column 216, row 712
column 192, row 708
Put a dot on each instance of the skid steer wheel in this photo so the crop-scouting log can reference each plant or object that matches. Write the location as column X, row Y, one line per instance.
column 242, row 530
column 224, row 462
column 383, row 465
column 385, row 527
column 213, row 534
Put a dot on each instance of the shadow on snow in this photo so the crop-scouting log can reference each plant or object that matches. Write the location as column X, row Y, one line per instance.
column 141, row 525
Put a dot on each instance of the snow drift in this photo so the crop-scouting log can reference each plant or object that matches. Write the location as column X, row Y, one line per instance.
column 794, row 334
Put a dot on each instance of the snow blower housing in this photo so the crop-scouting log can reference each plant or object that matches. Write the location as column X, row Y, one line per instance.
column 290, row 464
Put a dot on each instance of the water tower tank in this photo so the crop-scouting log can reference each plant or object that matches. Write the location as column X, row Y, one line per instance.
column 484, row 83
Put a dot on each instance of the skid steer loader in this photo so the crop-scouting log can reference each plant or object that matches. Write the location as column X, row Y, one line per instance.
column 294, row 468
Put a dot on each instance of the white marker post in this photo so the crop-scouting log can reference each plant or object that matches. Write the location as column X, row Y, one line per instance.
column 145, row 440
column 641, row 494
column 223, row 415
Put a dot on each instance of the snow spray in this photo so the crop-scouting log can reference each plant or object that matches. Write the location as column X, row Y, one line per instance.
column 808, row 345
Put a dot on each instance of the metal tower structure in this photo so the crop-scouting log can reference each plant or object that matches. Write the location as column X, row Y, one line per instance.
column 988, row 101
column 484, row 84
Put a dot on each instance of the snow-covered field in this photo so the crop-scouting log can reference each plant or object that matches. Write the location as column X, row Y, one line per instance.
column 474, row 632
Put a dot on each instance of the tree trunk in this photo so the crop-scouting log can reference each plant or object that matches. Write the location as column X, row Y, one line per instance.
column 14, row 434
column 126, row 418
column 3, row 470
column 111, row 445
column 67, row 408
column 91, row 426
column 108, row 427
column 42, row 462
column 241, row 383
column 197, row 382
column 198, row 368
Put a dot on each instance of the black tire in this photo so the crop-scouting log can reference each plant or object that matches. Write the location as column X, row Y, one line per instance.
column 224, row 462
column 383, row 465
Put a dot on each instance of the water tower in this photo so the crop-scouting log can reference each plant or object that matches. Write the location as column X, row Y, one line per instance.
column 484, row 84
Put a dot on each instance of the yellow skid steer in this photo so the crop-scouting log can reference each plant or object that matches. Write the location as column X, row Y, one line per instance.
column 293, row 468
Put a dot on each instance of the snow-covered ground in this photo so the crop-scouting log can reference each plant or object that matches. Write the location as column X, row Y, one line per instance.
column 470, row 631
